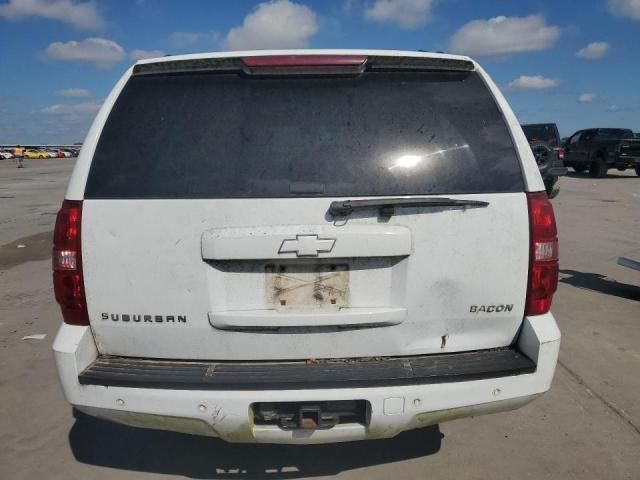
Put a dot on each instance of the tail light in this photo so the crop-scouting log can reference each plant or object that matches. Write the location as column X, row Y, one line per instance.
column 543, row 261
column 68, row 281
column 561, row 153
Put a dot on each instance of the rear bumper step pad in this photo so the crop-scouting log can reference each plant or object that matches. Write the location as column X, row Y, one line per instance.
column 298, row 375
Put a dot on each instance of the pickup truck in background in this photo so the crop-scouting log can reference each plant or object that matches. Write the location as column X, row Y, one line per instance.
column 599, row 149
column 548, row 151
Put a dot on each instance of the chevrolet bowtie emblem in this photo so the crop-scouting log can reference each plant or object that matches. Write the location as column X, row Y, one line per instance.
column 307, row 245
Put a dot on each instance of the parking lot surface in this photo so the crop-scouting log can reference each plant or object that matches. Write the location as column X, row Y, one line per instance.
column 586, row 427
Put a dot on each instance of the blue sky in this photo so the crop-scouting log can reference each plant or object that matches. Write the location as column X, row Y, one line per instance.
column 575, row 63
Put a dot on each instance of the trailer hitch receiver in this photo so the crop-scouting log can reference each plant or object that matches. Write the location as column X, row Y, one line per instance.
column 310, row 415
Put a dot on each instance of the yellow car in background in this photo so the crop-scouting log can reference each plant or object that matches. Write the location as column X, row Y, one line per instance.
column 35, row 154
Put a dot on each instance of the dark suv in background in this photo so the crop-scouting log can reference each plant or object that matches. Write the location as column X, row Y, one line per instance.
column 547, row 147
column 599, row 149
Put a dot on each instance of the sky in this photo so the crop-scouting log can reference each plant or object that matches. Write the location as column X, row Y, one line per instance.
column 569, row 62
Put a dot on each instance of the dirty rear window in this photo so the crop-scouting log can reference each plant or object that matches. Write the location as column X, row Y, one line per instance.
column 226, row 135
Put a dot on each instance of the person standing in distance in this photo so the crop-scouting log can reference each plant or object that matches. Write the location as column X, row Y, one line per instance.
column 18, row 152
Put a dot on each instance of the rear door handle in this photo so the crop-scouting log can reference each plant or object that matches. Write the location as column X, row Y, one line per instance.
column 345, row 317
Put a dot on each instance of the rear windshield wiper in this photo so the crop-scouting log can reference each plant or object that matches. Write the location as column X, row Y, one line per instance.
column 387, row 206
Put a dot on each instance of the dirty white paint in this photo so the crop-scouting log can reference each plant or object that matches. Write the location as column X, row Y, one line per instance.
column 326, row 240
column 458, row 258
column 227, row 415
column 190, row 261
column 411, row 282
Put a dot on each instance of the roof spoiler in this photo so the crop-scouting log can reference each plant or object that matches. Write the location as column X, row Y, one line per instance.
column 304, row 64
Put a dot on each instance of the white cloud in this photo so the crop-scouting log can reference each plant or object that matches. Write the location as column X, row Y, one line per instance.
column 587, row 97
column 406, row 13
column 625, row 8
column 593, row 51
column 99, row 51
column 534, row 82
column 504, row 35
column 275, row 24
column 185, row 39
column 73, row 93
column 78, row 14
column 72, row 110
column 139, row 54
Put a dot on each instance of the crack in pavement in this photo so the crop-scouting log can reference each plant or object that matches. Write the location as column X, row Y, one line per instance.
column 610, row 405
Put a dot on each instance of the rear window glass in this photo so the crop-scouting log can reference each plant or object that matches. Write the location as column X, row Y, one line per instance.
column 232, row 136
column 540, row 133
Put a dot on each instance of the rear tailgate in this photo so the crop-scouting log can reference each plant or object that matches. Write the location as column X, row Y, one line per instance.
column 630, row 148
column 207, row 232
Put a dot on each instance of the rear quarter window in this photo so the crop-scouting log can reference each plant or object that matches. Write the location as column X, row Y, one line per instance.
column 607, row 134
column 225, row 135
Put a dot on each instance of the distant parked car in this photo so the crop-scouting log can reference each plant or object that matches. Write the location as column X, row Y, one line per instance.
column 547, row 148
column 599, row 149
column 5, row 155
column 71, row 152
column 31, row 153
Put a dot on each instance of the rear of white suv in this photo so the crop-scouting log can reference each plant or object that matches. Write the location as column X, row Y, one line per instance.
column 305, row 247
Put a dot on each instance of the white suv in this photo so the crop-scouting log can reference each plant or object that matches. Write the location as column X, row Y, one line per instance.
column 304, row 246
